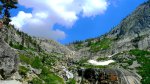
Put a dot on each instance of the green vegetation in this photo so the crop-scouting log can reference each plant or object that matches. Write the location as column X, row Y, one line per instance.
column 5, row 6
column 27, row 42
column 36, row 81
column 25, row 59
column 78, row 44
column 16, row 46
column 82, row 61
column 42, row 61
column 36, row 63
column 49, row 60
column 124, row 60
column 20, row 46
column 49, row 77
column 71, row 81
column 143, row 57
column 114, row 63
column 139, row 53
column 100, row 45
column 130, row 62
column 23, row 70
column 102, row 58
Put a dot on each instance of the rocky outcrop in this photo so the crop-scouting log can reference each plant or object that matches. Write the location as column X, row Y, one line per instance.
column 8, row 59
column 136, row 24
column 108, row 76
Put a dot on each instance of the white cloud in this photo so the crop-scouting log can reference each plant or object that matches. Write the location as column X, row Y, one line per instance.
column 47, row 13
column 94, row 7
column 21, row 19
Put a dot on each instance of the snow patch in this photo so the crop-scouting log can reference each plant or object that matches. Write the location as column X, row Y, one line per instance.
column 102, row 63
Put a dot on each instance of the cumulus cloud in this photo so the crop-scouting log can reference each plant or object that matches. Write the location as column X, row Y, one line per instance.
column 47, row 13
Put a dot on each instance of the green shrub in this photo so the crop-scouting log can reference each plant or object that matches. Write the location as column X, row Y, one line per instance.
column 138, row 52
column 36, row 81
column 52, row 79
column 49, row 77
column 25, row 59
column 36, row 62
column 143, row 57
column 102, row 58
column 23, row 70
column 17, row 46
column 45, row 70
column 100, row 45
column 49, row 60
column 130, row 62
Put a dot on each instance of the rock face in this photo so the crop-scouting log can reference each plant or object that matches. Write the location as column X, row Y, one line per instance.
column 137, row 23
column 8, row 59
column 52, row 46
column 108, row 76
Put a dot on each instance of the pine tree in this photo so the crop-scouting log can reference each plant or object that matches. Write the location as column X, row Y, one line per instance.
column 5, row 6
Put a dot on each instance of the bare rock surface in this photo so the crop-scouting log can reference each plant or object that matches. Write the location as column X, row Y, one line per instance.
column 8, row 59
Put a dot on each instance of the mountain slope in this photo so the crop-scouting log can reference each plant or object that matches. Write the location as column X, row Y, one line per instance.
column 128, row 44
column 133, row 32
column 32, row 60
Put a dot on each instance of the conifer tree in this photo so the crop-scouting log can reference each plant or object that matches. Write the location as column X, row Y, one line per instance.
column 5, row 6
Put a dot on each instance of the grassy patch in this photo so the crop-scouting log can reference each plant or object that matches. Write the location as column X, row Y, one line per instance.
column 36, row 63
column 25, row 59
column 100, row 45
column 143, row 57
column 23, row 70
column 102, row 58
column 36, row 81
column 49, row 77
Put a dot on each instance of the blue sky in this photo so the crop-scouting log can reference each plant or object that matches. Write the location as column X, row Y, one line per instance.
column 86, row 25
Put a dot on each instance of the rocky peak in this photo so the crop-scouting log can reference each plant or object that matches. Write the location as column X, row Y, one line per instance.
column 136, row 24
